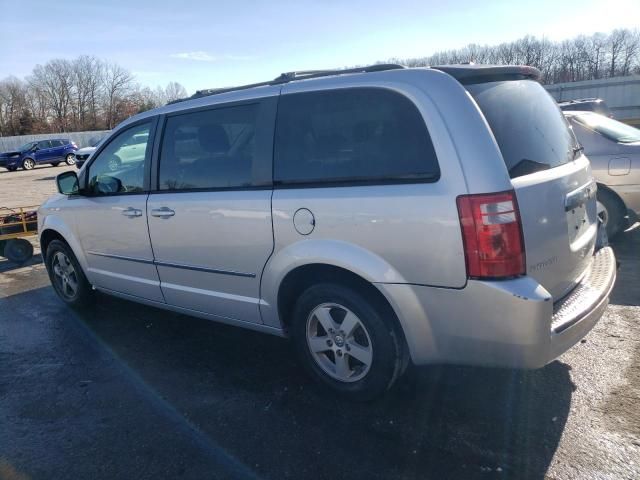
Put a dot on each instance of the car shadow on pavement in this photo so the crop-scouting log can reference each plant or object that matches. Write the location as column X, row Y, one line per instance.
column 247, row 392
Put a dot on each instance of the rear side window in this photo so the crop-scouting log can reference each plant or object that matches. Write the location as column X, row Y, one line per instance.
column 530, row 129
column 209, row 149
column 58, row 143
column 352, row 135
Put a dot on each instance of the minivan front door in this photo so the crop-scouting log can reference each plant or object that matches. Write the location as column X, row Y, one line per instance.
column 111, row 220
column 210, row 218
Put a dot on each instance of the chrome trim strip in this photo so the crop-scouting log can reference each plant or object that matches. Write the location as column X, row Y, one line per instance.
column 175, row 265
column 204, row 269
column 121, row 257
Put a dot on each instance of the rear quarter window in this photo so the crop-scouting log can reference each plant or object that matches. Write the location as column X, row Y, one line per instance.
column 352, row 135
column 528, row 126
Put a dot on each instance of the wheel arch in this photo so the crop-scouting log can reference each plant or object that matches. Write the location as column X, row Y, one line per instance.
column 53, row 229
column 313, row 260
column 304, row 276
column 614, row 194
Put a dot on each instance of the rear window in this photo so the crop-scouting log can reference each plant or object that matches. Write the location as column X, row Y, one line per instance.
column 530, row 129
column 352, row 135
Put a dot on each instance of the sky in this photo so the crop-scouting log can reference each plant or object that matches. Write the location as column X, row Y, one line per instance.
column 209, row 43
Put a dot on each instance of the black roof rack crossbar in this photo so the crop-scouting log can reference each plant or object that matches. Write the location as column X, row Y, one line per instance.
column 293, row 76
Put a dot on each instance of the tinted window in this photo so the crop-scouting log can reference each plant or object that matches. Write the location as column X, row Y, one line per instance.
column 359, row 134
column 119, row 168
column 209, row 149
column 44, row 144
column 530, row 129
column 57, row 143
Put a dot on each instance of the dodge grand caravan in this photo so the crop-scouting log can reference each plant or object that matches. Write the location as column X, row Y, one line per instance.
column 376, row 216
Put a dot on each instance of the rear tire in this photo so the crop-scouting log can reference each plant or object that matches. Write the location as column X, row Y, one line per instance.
column 70, row 159
column 66, row 275
column 611, row 212
column 28, row 164
column 361, row 360
column 18, row 250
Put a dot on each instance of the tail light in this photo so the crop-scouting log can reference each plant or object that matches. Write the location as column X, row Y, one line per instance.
column 492, row 235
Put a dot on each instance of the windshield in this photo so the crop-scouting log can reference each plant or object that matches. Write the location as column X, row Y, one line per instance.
column 612, row 129
column 26, row 146
column 529, row 127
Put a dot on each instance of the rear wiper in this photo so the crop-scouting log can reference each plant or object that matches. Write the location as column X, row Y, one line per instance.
column 577, row 150
column 526, row 166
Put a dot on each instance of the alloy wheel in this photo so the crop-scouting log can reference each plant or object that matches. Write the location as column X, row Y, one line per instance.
column 339, row 342
column 70, row 159
column 65, row 275
column 28, row 164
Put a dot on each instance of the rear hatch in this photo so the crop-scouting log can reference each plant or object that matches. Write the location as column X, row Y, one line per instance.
column 551, row 178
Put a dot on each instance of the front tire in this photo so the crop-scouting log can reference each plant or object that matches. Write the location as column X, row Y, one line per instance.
column 66, row 275
column 12, row 169
column 611, row 212
column 70, row 159
column 347, row 342
column 28, row 164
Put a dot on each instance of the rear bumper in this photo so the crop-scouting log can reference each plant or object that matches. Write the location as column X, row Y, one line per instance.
column 512, row 323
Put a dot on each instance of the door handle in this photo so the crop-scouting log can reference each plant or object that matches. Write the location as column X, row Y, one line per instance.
column 132, row 212
column 163, row 212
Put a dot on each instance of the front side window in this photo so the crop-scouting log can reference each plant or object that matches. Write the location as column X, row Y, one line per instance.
column 209, row 149
column 27, row 146
column 612, row 129
column 352, row 135
column 119, row 168
column 44, row 144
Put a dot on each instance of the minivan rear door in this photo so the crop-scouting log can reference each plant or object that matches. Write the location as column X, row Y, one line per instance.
column 551, row 177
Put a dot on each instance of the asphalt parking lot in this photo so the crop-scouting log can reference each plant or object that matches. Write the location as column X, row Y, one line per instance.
column 126, row 391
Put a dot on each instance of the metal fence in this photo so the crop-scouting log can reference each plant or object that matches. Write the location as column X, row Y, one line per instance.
column 82, row 139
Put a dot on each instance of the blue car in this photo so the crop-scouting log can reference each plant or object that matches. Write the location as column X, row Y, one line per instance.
column 53, row 151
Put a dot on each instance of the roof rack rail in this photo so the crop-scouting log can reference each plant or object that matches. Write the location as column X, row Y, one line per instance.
column 293, row 76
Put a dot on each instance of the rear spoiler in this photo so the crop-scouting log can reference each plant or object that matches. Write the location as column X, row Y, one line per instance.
column 470, row 74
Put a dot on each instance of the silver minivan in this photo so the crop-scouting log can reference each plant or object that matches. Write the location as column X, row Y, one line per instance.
column 377, row 216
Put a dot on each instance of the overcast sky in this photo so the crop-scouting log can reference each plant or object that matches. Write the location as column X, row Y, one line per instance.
column 209, row 43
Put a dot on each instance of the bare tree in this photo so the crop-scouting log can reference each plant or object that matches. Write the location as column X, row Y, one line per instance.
column 174, row 91
column 117, row 83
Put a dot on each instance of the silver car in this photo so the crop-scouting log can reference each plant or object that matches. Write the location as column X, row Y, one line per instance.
column 376, row 216
column 614, row 151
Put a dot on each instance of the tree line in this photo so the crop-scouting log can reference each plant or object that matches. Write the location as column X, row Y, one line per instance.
column 85, row 93
column 581, row 58
column 88, row 93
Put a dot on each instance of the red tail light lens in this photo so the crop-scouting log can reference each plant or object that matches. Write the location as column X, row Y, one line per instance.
column 492, row 235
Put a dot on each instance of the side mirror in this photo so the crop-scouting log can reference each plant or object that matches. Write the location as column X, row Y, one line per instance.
column 67, row 183
column 35, row 148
